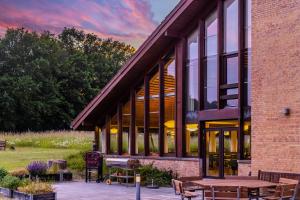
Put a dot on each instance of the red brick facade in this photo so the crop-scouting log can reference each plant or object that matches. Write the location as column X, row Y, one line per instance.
column 275, row 85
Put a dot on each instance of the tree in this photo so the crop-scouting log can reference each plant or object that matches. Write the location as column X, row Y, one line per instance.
column 46, row 80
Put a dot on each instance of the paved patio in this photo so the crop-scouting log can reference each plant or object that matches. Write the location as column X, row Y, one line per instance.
column 101, row 191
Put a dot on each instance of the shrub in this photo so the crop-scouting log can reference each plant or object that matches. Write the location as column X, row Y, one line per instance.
column 37, row 168
column 10, row 182
column 159, row 177
column 53, row 169
column 19, row 172
column 36, row 188
column 3, row 173
column 76, row 161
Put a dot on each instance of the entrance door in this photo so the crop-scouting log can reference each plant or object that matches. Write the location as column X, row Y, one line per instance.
column 221, row 147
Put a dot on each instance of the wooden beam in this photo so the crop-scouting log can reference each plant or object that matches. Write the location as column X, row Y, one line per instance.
column 97, row 138
column 161, row 108
column 172, row 34
column 120, row 128
column 229, row 113
column 107, row 129
column 220, row 15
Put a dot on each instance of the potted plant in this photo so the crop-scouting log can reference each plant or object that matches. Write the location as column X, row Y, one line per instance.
column 35, row 191
column 8, row 184
column 37, row 168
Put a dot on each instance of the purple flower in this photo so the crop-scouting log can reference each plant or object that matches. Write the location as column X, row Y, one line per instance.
column 36, row 168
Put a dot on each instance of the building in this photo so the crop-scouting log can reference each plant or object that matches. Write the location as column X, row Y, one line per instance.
column 213, row 90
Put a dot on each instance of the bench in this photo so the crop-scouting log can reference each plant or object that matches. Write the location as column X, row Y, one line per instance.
column 2, row 145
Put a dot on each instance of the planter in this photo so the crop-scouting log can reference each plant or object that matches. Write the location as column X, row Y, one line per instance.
column 23, row 196
column 6, row 192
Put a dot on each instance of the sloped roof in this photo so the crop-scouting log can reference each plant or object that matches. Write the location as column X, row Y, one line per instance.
column 179, row 18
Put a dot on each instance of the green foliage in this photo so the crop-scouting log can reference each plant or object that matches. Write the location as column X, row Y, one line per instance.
column 159, row 177
column 45, row 80
column 10, row 182
column 3, row 173
column 76, row 161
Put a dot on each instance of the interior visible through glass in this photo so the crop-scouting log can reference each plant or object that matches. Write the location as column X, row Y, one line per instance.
column 113, row 147
column 139, row 120
column 126, row 116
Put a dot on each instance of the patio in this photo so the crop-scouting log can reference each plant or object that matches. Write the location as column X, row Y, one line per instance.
column 94, row 191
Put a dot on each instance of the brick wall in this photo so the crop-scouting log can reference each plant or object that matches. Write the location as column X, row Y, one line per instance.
column 183, row 167
column 275, row 85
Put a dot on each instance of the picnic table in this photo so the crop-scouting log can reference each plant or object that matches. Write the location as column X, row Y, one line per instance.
column 252, row 186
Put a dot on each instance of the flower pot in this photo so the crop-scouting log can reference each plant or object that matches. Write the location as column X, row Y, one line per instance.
column 23, row 196
column 6, row 192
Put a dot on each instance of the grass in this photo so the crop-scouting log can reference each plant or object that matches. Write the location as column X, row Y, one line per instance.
column 50, row 139
column 22, row 156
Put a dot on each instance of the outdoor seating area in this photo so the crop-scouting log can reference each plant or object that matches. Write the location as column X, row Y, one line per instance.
column 267, row 185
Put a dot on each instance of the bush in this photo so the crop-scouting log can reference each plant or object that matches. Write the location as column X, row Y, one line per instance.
column 10, row 182
column 36, row 188
column 37, row 168
column 19, row 172
column 159, row 177
column 76, row 161
column 3, row 173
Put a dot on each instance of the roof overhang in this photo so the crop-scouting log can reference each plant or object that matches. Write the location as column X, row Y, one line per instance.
column 166, row 33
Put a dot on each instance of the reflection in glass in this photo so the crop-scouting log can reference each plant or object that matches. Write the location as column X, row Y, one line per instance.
column 154, row 113
column 139, row 120
column 231, row 26
column 212, row 153
column 248, row 24
column 125, row 126
column 211, row 35
column 192, row 80
column 247, row 140
column 169, row 102
column 232, row 65
column 232, row 102
column 210, row 83
column 113, row 147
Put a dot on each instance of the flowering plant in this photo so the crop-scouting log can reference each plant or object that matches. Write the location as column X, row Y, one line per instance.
column 37, row 168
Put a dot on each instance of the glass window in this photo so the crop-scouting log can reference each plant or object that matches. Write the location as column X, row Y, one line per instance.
column 192, row 73
column 231, row 23
column 191, row 135
column 169, row 105
column 126, row 116
column 103, row 140
column 232, row 103
column 113, row 147
column 139, row 120
column 154, row 113
column 211, row 35
column 248, row 24
column 232, row 70
column 247, row 140
column 210, row 83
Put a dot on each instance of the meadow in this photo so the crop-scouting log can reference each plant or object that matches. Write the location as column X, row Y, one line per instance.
column 28, row 146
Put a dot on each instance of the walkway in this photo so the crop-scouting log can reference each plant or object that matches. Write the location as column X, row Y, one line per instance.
column 94, row 191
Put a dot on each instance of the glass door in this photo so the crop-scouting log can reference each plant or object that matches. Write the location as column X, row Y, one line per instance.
column 221, row 152
column 213, row 138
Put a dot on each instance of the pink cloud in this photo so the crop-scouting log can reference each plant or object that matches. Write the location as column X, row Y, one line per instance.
column 130, row 21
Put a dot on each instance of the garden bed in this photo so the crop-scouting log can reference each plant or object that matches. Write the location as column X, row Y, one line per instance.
column 24, row 196
column 66, row 176
column 6, row 192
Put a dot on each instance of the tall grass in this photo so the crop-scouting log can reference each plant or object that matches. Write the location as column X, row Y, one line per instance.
column 50, row 139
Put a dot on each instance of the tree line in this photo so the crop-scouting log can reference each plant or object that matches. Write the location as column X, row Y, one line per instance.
column 47, row 79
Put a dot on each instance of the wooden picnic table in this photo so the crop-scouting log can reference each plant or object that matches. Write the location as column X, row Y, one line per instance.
column 250, row 184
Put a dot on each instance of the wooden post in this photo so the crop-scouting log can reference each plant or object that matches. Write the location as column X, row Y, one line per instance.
column 97, row 138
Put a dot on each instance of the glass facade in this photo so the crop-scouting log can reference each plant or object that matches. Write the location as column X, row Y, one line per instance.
column 113, row 142
column 210, row 62
column 231, row 24
column 139, row 120
column 169, row 106
column 126, row 116
column 154, row 113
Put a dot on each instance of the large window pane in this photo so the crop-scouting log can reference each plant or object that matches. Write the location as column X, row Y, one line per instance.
column 210, row 83
column 247, row 140
column 191, row 136
column 125, row 126
column 248, row 24
column 113, row 147
column 211, row 35
column 139, row 120
column 231, row 29
column 169, row 102
column 192, row 80
column 232, row 70
column 154, row 113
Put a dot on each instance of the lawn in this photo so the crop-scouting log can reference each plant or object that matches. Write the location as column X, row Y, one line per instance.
column 30, row 146
column 23, row 155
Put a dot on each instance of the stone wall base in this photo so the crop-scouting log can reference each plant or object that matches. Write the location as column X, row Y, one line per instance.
column 244, row 167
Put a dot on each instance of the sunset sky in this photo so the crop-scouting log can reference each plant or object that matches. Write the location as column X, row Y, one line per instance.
column 130, row 21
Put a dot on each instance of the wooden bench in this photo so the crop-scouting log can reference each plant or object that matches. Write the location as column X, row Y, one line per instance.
column 2, row 145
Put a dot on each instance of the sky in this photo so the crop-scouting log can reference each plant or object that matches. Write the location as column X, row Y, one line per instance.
column 130, row 21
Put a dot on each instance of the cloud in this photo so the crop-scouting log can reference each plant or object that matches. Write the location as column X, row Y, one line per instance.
column 130, row 21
